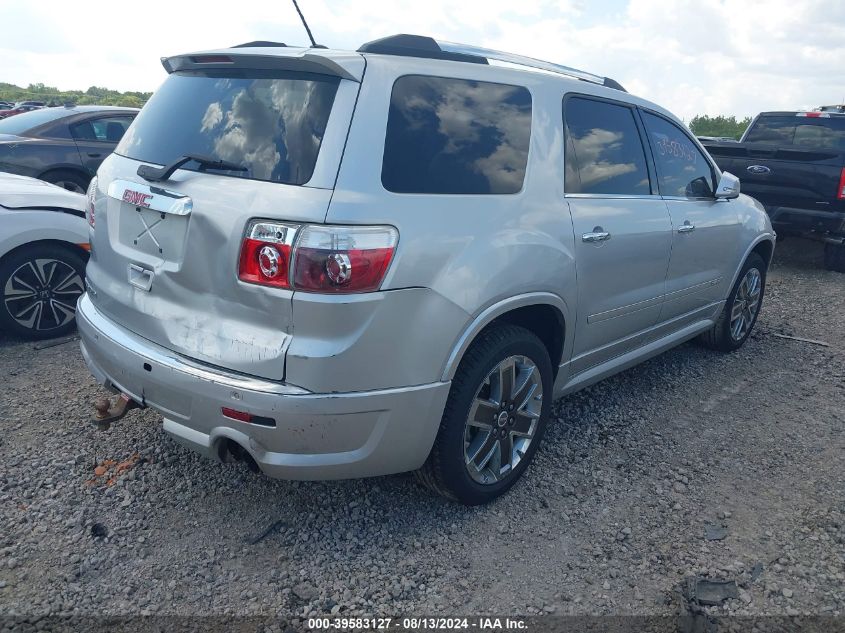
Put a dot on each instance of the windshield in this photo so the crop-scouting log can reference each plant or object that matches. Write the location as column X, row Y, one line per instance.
column 270, row 123
column 25, row 121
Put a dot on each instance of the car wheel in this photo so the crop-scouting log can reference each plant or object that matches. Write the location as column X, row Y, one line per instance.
column 834, row 257
column 66, row 179
column 494, row 419
column 742, row 308
column 40, row 286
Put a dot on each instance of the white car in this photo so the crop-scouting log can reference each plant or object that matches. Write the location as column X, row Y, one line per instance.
column 43, row 252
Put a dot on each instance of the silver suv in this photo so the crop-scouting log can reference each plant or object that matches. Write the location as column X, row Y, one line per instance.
column 343, row 264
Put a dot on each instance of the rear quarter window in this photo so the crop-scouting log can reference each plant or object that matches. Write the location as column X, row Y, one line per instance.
column 456, row 136
column 271, row 123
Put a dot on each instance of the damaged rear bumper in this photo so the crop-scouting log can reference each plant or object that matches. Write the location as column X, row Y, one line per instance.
column 315, row 436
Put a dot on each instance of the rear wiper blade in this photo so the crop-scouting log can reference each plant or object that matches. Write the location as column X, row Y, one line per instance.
column 154, row 174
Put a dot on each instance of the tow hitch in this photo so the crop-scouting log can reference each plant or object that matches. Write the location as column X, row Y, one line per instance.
column 106, row 412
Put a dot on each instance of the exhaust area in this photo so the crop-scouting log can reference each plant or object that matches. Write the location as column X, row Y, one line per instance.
column 229, row 451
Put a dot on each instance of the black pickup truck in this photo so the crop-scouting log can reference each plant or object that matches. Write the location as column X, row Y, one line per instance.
column 794, row 164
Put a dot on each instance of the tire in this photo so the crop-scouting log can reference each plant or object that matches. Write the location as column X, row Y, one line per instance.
column 446, row 470
column 39, row 287
column 68, row 179
column 834, row 257
column 722, row 336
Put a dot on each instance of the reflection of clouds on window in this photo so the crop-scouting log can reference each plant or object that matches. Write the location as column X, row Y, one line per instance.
column 477, row 131
column 606, row 149
column 213, row 116
column 301, row 106
column 271, row 126
column 593, row 152
column 247, row 137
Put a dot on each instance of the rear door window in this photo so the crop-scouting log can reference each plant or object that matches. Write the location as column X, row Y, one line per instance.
column 605, row 154
column 108, row 130
column 271, row 123
column 456, row 136
column 682, row 169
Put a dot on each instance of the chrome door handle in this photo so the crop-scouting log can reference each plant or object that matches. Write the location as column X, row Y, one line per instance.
column 686, row 227
column 595, row 236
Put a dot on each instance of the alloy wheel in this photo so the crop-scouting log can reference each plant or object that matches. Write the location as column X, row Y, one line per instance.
column 41, row 294
column 746, row 303
column 503, row 420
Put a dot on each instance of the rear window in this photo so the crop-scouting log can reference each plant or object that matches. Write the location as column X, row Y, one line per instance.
column 809, row 132
column 268, row 122
column 456, row 136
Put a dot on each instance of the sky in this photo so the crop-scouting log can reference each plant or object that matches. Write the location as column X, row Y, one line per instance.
column 733, row 57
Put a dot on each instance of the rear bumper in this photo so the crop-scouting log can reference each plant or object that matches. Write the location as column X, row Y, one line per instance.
column 794, row 219
column 317, row 436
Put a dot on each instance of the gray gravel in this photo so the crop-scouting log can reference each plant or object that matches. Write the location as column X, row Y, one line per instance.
column 611, row 519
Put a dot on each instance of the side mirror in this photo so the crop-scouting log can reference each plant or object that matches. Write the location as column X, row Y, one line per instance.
column 728, row 186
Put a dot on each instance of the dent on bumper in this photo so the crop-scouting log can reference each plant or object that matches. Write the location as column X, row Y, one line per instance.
column 317, row 436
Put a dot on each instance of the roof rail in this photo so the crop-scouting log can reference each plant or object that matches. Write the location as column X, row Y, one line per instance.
column 428, row 47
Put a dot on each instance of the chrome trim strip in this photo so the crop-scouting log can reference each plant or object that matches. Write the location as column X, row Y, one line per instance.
column 624, row 310
column 134, row 344
column 677, row 294
column 685, row 199
column 612, row 196
column 153, row 198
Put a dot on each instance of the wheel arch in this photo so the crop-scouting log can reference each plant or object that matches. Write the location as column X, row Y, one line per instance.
column 544, row 314
column 76, row 248
column 764, row 246
column 75, row 169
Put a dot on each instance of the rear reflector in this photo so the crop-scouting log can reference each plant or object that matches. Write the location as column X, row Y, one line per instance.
column 243, row 416
column 840, row 191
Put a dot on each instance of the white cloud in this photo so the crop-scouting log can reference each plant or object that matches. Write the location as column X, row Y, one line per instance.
column 691, row 56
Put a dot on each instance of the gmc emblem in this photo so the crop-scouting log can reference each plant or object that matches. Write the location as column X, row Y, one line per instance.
column 137, row 198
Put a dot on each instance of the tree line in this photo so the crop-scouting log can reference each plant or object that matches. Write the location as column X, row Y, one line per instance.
column 51, row 95
column 729, row 126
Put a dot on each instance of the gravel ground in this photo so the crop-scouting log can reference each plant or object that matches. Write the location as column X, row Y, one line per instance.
column 611, row 519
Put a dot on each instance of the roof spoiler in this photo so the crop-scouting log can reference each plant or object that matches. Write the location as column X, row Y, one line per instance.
column 235, row 58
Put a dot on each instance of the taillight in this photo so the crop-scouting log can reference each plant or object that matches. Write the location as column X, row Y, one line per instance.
column 265, row 253
column 91, row 197
column 322, row 258
column 840, row 191
column 342, row 259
